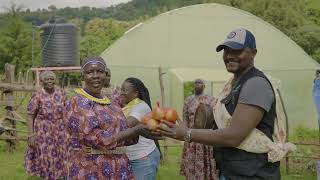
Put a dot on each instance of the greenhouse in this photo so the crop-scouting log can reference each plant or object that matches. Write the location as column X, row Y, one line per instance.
column 182, row 44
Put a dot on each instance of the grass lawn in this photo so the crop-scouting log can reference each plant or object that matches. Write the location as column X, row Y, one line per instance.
column 11, row 166
column 314, row 4
column 169, row 169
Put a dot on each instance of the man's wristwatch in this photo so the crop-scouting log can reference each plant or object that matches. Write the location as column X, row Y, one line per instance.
column 187, row 136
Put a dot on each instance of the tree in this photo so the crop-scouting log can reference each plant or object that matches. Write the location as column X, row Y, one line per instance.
column 188, row 88
column 14, row 10
column 16, row 41
column 79, row 23
column 100, row 27
column 99, row 34
column 294, row 18
column 308, row 37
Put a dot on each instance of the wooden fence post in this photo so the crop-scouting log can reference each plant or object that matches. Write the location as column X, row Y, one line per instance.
column 287, row 129
column 163, row 103
column 9, row 73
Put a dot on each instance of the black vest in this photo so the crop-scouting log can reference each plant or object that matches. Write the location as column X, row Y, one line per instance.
column 236, row 164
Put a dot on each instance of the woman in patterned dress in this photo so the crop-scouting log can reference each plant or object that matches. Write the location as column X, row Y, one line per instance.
column 98, row 130
column 197, row 160
column 47, row 143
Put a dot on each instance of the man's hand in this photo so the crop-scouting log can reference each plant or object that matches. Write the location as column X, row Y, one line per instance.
column 146, row 132
column 150, row 134
column 172, row 130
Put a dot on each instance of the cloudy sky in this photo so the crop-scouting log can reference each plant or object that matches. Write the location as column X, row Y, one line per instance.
column 35, row 4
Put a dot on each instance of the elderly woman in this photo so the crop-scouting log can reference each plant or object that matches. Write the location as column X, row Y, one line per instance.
column 47, row 144
column 98, row 129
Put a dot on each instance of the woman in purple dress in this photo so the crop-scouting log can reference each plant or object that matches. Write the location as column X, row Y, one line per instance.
column 98, row 130
column 47, row 141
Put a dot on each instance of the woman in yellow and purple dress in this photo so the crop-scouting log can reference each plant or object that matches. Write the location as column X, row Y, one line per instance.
column 98, row 130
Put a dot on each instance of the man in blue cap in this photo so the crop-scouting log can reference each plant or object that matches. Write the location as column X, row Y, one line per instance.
column 247, row 104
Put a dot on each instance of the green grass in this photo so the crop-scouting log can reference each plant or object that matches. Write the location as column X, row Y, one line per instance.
column 11, row 165
column 170, row 168
column 315, row 4
column 284, row 176
column 304, row 134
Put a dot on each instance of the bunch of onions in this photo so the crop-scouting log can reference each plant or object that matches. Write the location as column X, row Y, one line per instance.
column 158, row 114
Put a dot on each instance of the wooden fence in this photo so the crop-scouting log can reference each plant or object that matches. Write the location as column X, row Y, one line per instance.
column 13, row 93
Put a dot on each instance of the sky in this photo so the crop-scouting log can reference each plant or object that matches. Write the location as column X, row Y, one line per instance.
column 35, row 4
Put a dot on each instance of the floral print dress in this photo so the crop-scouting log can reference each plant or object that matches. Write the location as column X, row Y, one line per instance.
column 47, row 159
column 94, row 125
column 197, row 160
column 113, row 93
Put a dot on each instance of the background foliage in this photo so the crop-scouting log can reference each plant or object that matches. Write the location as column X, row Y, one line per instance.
column 100, row 27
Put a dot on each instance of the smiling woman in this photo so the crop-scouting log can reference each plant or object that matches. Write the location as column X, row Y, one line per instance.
column 98, row 129
column 94, row 75
column 145, row 155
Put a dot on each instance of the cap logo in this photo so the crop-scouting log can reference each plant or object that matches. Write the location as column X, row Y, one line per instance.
column 231, row 35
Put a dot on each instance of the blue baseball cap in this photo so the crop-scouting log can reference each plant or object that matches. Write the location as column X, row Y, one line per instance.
column 238, row 39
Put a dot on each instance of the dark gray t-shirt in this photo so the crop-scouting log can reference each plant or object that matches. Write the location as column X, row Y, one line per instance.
column 258, row 92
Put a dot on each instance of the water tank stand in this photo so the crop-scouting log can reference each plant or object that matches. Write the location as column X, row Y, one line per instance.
column 60, row 69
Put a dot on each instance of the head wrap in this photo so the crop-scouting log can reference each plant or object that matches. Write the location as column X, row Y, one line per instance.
column 93, row 60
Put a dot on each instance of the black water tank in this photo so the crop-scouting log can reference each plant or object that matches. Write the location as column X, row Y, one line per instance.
column 60, row 43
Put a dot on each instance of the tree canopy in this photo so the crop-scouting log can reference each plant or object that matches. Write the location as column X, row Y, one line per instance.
column 100, row 27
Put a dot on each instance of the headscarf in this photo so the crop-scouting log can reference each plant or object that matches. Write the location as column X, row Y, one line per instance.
column 93, row 60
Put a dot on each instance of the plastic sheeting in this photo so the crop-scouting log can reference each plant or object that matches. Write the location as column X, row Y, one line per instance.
column 183, row 43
